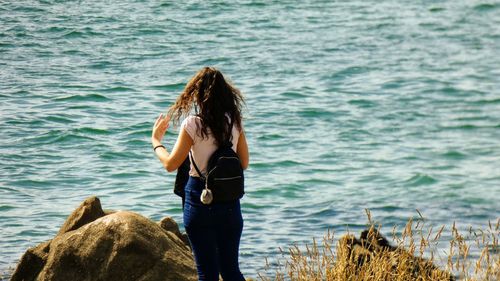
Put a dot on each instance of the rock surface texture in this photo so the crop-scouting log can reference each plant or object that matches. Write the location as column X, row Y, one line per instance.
column 94, row 245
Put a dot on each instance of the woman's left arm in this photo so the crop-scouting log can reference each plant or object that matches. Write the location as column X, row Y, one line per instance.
column 171, row 161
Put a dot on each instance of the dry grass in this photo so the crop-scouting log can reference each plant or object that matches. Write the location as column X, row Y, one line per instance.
column 417, row 253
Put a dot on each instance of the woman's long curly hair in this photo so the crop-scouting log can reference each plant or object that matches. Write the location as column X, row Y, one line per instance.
column 216, row 99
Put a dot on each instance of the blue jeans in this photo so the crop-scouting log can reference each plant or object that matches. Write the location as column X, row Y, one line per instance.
column 214, row 232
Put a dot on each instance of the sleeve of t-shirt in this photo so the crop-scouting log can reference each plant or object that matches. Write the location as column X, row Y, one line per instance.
column 189, row 124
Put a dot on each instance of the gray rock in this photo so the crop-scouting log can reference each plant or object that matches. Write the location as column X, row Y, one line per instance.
column 169, row 224
column 88, row 211
column 32, row 262
column 119, row 246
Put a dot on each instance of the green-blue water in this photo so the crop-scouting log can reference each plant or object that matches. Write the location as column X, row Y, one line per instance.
column 387, row 105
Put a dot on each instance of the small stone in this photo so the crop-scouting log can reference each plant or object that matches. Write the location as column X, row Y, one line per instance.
column 169, row 224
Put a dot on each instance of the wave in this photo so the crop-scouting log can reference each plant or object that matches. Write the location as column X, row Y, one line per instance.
column 314, row 112
column 486, row 7
column 76, row 135
column 469, row 127
column 4, row 208
column 363, row 103
column 118, row 89
column 81, row 33
column 436, row 9
column 493, row 101
column 269, row 137
column 420, row 179
column 284, row 163
column 293, row 95
column 351, row 71
column 169, row 87
column 58, row 119
column 88, row 97
column 92, row 131
column 453, row 154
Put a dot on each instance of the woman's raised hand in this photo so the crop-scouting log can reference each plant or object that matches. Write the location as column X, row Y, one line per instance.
column 160, row 127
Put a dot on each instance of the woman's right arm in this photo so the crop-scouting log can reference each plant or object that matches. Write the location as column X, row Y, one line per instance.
column 171, row 161
column 242, row 151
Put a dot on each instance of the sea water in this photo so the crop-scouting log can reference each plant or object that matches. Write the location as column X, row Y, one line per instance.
column 390, row 106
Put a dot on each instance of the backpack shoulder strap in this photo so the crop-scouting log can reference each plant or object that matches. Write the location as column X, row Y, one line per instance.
column 194, row 164
column 228, row 144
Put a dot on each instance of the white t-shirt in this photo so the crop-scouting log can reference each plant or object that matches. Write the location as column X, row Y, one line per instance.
column 203, row 148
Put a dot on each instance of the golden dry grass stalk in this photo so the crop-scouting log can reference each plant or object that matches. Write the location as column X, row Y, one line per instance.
column 416, row 254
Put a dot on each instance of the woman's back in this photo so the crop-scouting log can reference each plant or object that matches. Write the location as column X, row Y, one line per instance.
column 203, row 147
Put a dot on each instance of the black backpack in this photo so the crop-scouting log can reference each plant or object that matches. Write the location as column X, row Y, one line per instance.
column 224, row 177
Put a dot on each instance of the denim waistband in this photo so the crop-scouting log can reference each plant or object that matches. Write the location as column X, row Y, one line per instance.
column 195, row 183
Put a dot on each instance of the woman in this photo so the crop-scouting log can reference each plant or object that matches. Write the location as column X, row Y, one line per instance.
column 214, row 230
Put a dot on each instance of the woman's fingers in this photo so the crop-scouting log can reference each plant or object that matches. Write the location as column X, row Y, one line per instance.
column 162, row 122
column 157, row 120
column 167, row 118
column 160, row 127
column 167, row 121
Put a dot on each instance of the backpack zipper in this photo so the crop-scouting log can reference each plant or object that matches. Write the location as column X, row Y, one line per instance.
column 229, row 157
column 209, row 172
column 225, row 179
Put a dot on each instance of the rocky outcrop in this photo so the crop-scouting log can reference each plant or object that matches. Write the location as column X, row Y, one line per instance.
column 169, row 224
column 89, row 211
column 355, row 256
column 96, row 245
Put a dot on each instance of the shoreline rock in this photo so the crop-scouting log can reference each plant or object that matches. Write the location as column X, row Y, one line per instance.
column 96, row 245
column 372, row 247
